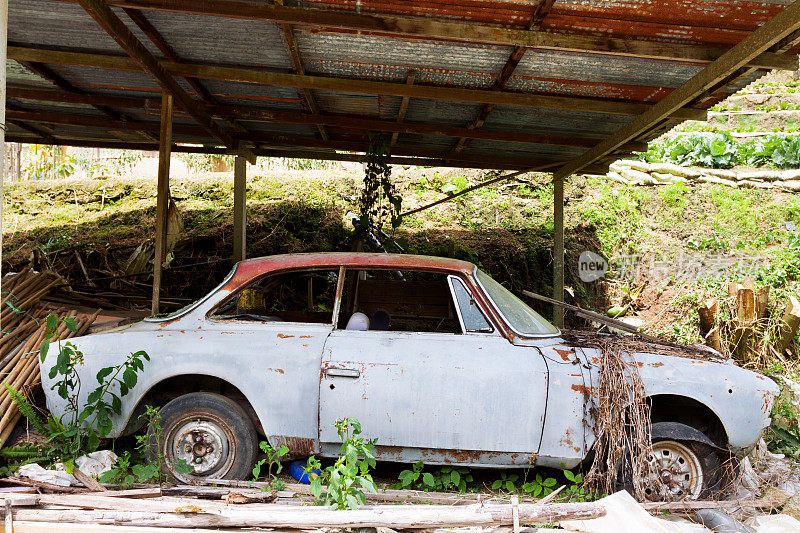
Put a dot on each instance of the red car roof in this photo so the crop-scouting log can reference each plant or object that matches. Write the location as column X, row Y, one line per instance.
column 253, row 267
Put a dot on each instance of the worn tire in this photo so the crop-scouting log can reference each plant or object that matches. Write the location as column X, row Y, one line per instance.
column 695, row 459
column 211, row 432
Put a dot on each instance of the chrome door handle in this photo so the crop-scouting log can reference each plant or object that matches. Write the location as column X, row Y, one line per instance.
column 343, row 372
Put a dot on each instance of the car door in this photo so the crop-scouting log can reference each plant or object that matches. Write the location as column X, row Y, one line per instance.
column 465, row 397
column 269, row 337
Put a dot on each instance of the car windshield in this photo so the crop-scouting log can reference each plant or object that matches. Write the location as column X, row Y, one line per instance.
column 186, row 308
column 523, row 320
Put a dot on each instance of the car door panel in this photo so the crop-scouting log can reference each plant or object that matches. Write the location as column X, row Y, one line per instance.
column 443, row 398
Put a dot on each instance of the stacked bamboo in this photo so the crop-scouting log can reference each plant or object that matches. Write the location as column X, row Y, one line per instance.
column 24, row 329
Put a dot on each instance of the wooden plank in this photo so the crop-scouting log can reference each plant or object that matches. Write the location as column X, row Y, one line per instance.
column 162, row 197
column 239, row 209
column 247, row 75
column 450, row 31
column 781, row 25
column 302, row 517
column 60, row 527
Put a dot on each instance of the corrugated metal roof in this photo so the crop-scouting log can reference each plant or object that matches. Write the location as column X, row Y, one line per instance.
column 370, row 55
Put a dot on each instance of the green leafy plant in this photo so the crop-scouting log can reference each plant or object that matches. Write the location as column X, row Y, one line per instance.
column 272, row 460
column 146, row 471
column 347, row 479
column 379, row 201
column 416, row 477
column 539, row 486
column 81, row 427
column 506, row 482
column 446, row 478
column 720, row 150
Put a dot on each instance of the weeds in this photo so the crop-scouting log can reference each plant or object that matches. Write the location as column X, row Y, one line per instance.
column 349, row 477
column 272, row 460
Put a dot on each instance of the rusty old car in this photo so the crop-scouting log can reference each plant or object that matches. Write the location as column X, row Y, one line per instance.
column 437, row 360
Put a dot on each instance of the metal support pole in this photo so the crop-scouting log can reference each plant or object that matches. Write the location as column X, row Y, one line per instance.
column 558, row 250
column 162, row 195
column 239, row 208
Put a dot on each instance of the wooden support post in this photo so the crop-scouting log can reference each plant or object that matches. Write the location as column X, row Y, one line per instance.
column 239, row 209
column 3, row 40
column 162, row 196
column 558, row 251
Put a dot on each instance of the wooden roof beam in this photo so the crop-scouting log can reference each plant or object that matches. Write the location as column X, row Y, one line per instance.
column 263, row 77
column 506, row 72
column 293, row 51
column 290, row 117
column 111, row 23
column 291, row 152
column 401, row 113
column 772, row 32
column 47, row 73
column 451, row 31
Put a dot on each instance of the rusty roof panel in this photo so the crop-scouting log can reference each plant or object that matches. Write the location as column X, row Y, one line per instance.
column 47, row 23
column 374, row 106
column 350, row 54
column 601, row 69
column 390, row 59
column 221, row 40
column 554, row 121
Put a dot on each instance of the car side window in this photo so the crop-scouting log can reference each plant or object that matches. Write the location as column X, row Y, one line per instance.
column 395, row 300
column 297, row 296
column 472, row 318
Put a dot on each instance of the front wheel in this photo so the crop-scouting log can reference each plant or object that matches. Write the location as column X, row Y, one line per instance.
column 683, row 464
column 212, row 433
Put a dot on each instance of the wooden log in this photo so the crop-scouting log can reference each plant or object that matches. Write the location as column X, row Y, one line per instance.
column 762, row 302
column 733, row 289
column 302, row 517
column 712, row 339
column 789, row 325
column 708, row 316
column 745, row 320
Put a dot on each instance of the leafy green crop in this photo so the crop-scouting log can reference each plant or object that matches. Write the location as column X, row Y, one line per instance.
column 720, row 150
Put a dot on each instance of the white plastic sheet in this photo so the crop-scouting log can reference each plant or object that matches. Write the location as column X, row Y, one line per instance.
column 92, row 464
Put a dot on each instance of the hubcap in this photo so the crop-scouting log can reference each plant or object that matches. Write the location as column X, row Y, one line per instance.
column 673, row 473
column 203, row 444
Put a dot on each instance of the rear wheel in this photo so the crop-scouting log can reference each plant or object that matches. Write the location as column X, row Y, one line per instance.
column 212, row 433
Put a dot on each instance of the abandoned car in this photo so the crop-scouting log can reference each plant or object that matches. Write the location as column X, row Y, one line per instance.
column 438, row 361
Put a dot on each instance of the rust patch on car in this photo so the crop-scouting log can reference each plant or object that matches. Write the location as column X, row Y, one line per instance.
column 298, row 446
column 586, row 391
column 284, row 336
column 656, row 365
column 305, row 336
column 278, row 370
column 565, row 354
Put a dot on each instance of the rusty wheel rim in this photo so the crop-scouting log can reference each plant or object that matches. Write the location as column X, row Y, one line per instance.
column 673, row 472
column 204, row 443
